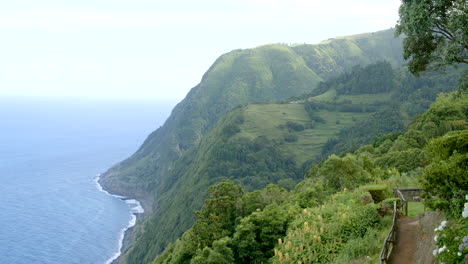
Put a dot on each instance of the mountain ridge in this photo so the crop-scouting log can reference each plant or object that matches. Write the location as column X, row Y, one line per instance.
column 268, row 73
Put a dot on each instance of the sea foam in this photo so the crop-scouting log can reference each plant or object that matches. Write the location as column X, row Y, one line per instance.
column 136, row 209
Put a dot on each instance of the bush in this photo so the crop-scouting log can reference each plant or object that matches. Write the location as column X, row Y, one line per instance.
column 452, row 241
column 378, row 192
column 290, row 137
column 318, row 235
column 446, row 176
column 294, row 126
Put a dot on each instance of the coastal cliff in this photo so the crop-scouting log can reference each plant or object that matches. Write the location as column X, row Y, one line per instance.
column 170, row 159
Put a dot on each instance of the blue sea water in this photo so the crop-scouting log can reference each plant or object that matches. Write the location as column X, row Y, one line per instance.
column 51, row 149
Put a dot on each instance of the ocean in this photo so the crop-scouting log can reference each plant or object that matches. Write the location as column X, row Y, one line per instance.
column 51, row 152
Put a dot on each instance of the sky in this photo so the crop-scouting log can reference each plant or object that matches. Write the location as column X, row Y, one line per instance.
column 157, row 49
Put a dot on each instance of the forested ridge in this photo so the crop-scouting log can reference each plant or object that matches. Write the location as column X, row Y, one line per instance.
column 261, row 129
column 159, row 172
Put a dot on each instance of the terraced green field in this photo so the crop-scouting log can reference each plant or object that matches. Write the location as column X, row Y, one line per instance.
column 270, row 120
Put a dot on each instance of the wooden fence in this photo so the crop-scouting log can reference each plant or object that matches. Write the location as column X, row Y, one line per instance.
column 391, row 239
column 403, row 201
column 389, row 244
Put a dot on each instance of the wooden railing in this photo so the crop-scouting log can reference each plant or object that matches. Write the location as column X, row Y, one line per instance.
column 404, row 202
column 391, row 237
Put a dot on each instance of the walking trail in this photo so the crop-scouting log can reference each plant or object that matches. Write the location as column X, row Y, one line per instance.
column 405, row 249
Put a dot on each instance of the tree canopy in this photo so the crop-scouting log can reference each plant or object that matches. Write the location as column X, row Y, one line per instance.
column 436, row 33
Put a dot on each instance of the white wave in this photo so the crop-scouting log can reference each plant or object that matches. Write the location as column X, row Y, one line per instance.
column 137, row 209
column 99, row 187
column 131, row 223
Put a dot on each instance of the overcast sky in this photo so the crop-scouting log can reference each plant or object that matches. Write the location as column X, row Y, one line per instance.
column 153, row 48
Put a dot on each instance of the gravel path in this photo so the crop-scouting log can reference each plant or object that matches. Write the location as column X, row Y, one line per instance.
column 405, row 249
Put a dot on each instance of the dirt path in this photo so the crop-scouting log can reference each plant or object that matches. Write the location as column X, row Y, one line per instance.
column 404, row 252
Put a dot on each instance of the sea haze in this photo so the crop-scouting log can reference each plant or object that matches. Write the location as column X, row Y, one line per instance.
column 51, row 150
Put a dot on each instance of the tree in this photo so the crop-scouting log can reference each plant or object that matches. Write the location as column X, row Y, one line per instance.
column 256, row 234
column 436, row 33
column 220, row 253
column 218, row 215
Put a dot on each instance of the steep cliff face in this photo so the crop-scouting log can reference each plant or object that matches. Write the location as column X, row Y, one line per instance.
column 266, row 73
column 270, row 72
column 157, row 171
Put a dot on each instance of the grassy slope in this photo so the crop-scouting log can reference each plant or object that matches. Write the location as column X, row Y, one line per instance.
column 165, row 161
column 192, row 176
column 266, row 119
column 339, row 54
column 271, row 72
column 447, row 109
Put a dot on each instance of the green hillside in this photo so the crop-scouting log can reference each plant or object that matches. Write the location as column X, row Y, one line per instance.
column 341, row 209
column 160, row 172
column 278, row 121
column 259, row 144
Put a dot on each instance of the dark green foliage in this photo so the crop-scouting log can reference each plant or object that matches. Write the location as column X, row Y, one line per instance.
column 446, row 177
column 233, row 127
column 436, row 32
column 311, row 109
column 295, row 126
column 290, row 137
column 257, row 200
column 200, row 144
column 254, row 163
column 347, row 172
column 378, row 192
column 317, row 235
column 382, row 138
column 257, row 234
column 216, row 219
column 404, row 160
column 402, row 151
column 436, row 35
column 312, row 192
column 412, row 96
column 323, row 218
column 169, row 156
column 374, row 78
column 220, row 253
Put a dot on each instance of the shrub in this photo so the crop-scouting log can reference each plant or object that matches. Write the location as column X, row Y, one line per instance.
column 290, row 137
column 378, row 192
column 317, row 235
column 294, row 126
column 446, row 176
column 386, row 206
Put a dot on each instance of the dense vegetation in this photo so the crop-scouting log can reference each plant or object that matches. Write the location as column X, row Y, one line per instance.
column 338, row 210
column 341, row 203
column 259, row 144
column 167, row 169
column 351, row 95
column 436, row 33
column 410, row 96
